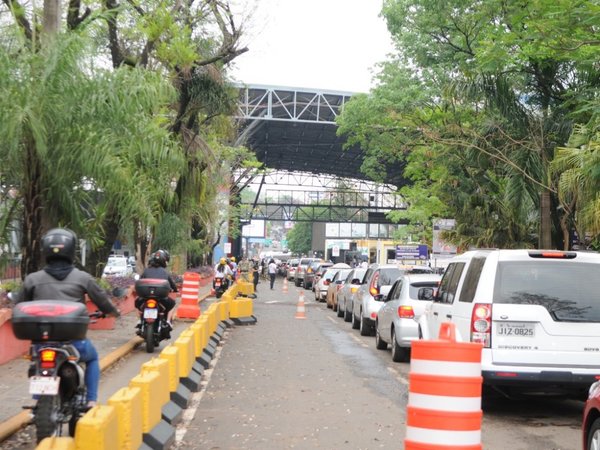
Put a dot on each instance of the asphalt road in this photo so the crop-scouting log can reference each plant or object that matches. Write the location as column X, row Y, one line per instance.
column 316, row 383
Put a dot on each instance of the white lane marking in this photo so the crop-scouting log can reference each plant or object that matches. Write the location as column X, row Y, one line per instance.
column 188, row 414
column 272, row 301
column 399, row 376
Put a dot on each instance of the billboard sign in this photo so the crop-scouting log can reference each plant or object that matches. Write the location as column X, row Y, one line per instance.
column 256, row 228
column 439, row 246
column 411, row 251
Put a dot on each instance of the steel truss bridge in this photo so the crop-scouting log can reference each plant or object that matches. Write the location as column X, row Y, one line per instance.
column 310, row 176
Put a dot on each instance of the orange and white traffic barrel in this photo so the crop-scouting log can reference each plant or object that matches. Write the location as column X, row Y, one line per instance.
column 444, row 400
column 189, row 308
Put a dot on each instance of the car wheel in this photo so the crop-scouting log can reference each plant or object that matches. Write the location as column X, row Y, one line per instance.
column 327, row 302
column 297, row 282
column 317, row 299
column 399, row 354
column 347, row 316
column 593, row 438
column 380, row 344
column 340, row 313
column 365, row 329
column 355, row 322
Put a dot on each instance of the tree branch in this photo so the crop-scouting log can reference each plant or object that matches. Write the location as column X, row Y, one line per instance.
column 17, row 11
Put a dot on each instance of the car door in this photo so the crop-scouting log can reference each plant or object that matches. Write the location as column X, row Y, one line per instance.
column 387, row 311
column 441, row 307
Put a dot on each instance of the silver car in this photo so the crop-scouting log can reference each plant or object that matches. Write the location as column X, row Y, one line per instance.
column 397, row 321
column 368, row 300
column 323, row 283
column 347, row 292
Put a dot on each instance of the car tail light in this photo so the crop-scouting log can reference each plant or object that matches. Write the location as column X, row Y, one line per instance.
column 151, row 304
column 373, row 289
column 48, row 358
column 353, row 289
column 506, row 374
column 551, row 254
column 406, row 312
column 373, row 315
column 326, row 282
column 481, row 324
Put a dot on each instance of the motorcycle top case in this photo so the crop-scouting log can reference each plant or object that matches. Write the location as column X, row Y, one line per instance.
column 50, row 320
column 152, row 287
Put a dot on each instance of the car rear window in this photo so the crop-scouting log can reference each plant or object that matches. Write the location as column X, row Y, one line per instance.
column 568, row 290
column 414, row 288
column 387, row 276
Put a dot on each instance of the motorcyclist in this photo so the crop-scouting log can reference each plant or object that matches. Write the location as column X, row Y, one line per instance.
column 60, row 280
column 222, row 270
column 157, row 269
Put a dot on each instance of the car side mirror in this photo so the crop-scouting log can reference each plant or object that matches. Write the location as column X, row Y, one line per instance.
column 380, row 298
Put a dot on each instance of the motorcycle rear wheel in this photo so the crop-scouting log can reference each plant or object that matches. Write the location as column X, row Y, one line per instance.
column 149, row 337
column 47, row 410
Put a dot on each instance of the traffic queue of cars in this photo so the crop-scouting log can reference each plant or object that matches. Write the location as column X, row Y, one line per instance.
column 536, row 314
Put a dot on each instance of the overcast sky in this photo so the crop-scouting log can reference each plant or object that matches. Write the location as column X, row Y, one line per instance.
column 322, row 44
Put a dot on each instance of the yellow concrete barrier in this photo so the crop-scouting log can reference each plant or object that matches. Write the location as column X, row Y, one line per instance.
column 171, row 354
column 127, row 402
column 241, row 307
column 234, row 290
column 245, row 288
column 211, row 312
column 160, row 366
column 222, row 310
column 98, row 429
column 151, row 411
column 185, row 345
column 198, row 335
column 205, row 330
column 57, row 443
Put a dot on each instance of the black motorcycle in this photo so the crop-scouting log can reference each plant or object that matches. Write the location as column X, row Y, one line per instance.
column 153, row 326
column 56, row 376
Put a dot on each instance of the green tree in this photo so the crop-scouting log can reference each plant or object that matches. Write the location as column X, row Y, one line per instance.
column 300, row 238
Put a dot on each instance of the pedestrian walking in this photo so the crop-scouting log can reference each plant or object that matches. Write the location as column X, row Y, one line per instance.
column 272, row 268
column 255, row 273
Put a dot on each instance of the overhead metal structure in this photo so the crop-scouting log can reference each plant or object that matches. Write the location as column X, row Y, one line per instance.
column 323, row 199
column 295, row 130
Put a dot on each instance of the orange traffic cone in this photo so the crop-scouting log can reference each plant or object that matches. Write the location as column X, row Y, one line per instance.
column 300, row 310
column 285, row 285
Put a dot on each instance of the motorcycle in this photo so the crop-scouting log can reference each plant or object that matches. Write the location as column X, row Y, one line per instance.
column 56, row 376
column 220, row 285
column 153, row 326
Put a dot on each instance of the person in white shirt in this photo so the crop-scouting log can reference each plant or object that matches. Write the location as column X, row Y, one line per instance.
column 272, row 271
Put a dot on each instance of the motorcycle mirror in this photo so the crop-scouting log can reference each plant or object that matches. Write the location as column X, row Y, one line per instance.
column 136, row 276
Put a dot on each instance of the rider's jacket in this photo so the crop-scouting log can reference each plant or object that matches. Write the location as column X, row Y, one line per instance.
column 160, row 273
column 62, row 281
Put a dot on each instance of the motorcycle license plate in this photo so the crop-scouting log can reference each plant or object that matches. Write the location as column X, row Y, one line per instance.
column 217, row 283
column 44, row 385
column 150, row 313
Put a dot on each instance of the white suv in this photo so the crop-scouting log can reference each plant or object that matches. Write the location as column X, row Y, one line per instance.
column 537, row 314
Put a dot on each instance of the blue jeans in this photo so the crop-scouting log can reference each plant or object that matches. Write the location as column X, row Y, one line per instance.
column 89, row 356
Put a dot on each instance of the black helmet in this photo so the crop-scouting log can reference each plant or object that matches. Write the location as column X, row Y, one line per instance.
column 158, row 259
column 167, row 255
column 59, row 243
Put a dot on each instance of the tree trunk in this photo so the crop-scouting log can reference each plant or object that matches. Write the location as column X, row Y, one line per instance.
column 31, row 255
column 51, row 19
column 545, row 240
column 97, row 260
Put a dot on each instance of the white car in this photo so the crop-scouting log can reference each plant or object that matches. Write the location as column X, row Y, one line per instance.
column 397, row 321
column 347, row 292
column 117, row 266
column 368, row 301
column 536, row 313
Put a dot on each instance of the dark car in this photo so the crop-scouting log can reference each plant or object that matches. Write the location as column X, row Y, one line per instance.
column 302, row 268
column 314, row 272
